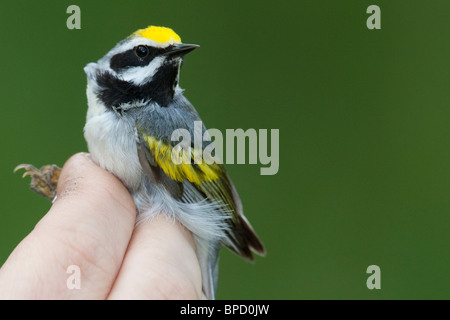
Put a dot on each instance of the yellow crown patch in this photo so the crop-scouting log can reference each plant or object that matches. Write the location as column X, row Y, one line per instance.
column 160, row 35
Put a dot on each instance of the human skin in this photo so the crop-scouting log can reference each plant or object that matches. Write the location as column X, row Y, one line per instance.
column 92, row 225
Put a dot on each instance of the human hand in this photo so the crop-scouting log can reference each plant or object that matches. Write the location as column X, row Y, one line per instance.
column 91, row 225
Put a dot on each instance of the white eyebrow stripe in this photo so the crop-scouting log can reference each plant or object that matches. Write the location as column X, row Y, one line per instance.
column 132, row 42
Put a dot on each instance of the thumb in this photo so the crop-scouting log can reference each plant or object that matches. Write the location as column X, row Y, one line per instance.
column 89, row 226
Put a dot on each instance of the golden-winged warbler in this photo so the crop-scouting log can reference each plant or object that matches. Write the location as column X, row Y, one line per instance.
column 135, row 105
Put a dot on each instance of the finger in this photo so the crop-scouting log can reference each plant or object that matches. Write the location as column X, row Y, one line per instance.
column 160, row 263
column 88, row 227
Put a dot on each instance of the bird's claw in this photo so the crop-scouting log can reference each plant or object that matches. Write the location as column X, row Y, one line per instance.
column 43, row 180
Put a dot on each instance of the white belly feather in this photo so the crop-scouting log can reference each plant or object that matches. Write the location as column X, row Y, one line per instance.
column 111, row 143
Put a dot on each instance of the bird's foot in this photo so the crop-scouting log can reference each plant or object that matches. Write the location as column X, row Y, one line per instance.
column 44, row 180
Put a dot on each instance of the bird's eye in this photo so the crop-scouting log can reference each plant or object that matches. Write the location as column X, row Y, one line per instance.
column 141, row 51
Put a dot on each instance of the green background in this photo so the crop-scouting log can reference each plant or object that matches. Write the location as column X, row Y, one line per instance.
column 363, row 117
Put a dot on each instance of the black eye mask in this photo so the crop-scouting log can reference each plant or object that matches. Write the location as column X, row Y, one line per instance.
column 140, row 55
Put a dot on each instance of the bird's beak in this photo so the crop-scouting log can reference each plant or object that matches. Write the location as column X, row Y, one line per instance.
column 179, row 50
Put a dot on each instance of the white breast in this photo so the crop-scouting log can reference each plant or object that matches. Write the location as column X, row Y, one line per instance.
column 111, row 143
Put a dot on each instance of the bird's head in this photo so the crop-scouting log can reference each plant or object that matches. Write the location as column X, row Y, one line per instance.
column 142, row 68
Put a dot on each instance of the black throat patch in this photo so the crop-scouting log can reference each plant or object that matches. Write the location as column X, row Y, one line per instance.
column 161, row 89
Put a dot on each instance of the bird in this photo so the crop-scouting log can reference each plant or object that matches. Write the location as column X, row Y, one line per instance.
column 135, row 103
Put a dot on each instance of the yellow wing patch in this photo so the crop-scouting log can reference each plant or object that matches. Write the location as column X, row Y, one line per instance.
column 177, row 165
column 160, row 35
